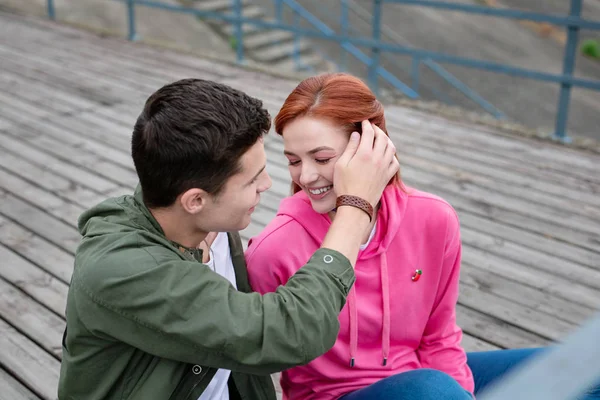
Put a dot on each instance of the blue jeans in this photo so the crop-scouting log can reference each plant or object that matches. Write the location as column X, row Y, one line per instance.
column 430, row 384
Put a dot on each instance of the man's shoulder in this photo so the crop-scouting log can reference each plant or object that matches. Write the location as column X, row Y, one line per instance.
column 115, row 256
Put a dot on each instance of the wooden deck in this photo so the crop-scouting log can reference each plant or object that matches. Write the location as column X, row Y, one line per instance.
column 530, row 211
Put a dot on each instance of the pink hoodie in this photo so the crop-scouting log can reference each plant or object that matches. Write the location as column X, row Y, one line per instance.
column 390, row 323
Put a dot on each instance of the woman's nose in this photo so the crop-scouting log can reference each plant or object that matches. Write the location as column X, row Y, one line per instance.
column 308, row 175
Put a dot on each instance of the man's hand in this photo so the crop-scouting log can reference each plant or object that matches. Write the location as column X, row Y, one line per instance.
column 367, row 165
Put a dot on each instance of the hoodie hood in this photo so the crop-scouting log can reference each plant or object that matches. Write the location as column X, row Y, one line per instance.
column 389, row 219
column 119, row 213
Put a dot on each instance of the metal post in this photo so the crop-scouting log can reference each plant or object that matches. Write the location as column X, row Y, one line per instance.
column 375, row 52
column 279, row 10
column 132, row 35
column 296, row 54
column 344, row 31
column 414, row 73
column 562, row 114
column 239, row 34
column 51, row 11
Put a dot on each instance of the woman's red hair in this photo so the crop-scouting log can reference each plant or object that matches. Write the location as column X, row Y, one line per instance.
column 342, row 98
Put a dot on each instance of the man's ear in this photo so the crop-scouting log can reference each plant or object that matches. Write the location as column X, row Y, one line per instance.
column 194, row 200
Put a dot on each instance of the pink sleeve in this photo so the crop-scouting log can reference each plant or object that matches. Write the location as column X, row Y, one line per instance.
column 265, row 263
column 440, row 346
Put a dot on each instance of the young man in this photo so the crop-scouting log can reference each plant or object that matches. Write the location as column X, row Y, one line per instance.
column 146, row 319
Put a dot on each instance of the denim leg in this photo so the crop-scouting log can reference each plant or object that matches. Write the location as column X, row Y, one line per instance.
column 420, row 384
column 488, row 366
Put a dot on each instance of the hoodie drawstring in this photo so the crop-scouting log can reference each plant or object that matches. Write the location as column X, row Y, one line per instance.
column 353, row 324
column 385, row 289
column 385, row 329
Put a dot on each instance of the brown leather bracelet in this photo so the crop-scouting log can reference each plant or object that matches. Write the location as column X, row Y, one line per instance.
column 355, row 201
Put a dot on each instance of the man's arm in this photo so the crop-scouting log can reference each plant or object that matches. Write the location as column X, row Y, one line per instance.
column 363, row 170
column 183, row 311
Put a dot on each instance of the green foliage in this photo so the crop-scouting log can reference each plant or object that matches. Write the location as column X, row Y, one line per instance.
column 591, row 48
column 233, row 42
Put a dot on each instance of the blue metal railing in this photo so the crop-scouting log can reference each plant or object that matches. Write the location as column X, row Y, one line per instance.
column 364, row 15
column 351, row 49
column 351, row 44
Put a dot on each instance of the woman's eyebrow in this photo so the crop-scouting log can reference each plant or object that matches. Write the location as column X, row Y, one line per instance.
column 313, row 151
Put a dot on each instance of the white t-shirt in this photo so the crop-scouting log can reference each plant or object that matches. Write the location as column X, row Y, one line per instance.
column 364, row 246
column 220, row 262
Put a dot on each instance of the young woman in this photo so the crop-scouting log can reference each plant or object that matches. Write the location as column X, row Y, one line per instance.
column 398, row 336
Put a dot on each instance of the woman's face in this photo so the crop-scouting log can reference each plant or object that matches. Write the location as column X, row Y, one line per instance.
column 312, row 146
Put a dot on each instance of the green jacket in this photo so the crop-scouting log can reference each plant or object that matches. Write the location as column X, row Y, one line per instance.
column 146, row 320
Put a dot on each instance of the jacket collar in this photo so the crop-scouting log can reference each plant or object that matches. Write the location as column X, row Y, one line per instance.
column 139, row 199
column 235, row 244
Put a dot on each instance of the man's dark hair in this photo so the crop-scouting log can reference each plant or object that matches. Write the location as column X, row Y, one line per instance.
column 192, row 134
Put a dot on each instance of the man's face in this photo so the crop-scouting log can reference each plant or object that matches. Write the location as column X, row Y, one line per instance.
column 231, row 209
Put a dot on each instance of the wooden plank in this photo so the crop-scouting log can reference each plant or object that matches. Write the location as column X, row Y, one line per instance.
column 115, row 48
column 125, row 114
column 54, row 164
column 542, row 324
column 32, row 280
column 82, row 87
column 36, row 104
column 23, row 358
column 497, row 212
column 11, row 389
column 558, row 158
column 32, row 110
column 66, row 69
column 66, row 211
column 60, row 233
column 112, row 137
column 478, row 142
column 48, row 180
column 543, row 243
column 473, row 344
column 24, row 189
column 98, row 62
column 532, row 258
column 107, row 160
column 52, row 259
column 482, row 163
column 102, row 132
column 525, row 296
column 37, row 322
column 83, row 158
column 522, row 148
column 563, row 218
column 540, row 280
column 538, row 192
column 32, row 91
column 496, row 331
column 73, row 130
